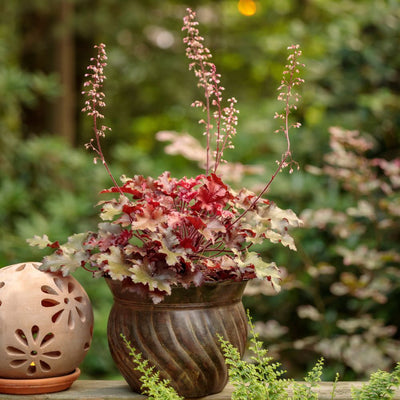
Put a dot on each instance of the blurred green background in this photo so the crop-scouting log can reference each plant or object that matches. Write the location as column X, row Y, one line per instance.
column 49, row 184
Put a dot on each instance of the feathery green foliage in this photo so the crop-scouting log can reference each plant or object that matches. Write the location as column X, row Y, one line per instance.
column 305, row 390
column 257, row 379
column 261, row 379
column 152, row 386
column 380, row 386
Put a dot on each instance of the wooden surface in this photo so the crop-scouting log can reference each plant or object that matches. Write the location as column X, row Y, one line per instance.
column 119, row 390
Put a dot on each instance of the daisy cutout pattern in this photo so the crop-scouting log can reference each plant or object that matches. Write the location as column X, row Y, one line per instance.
column 66, row 301
column 29, row 351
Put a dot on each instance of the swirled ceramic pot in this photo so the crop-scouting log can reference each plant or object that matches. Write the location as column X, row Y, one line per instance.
column 179, row 336
column 46, row 323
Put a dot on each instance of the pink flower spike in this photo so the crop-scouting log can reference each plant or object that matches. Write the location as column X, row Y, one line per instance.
column 94, row 100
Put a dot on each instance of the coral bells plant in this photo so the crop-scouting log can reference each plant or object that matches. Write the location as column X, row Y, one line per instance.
column 160, row 232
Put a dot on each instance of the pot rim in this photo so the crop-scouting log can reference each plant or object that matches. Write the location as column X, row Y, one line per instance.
column 209, row 294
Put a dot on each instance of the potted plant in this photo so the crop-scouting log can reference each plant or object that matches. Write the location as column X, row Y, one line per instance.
column 176, row 253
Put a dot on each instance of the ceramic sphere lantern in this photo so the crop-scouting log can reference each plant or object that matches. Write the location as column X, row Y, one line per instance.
column 46, row 326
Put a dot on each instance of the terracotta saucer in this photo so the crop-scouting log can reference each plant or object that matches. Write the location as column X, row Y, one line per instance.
column 38, row 386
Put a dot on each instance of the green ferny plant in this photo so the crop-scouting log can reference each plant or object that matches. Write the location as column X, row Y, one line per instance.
column 305, row 391
column 380, row 386
column 261, row 379
column 152, row 385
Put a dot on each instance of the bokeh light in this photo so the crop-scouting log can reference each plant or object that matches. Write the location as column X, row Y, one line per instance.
column 247, row 7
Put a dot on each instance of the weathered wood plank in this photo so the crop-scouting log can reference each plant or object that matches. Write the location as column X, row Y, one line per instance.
column 119, row 390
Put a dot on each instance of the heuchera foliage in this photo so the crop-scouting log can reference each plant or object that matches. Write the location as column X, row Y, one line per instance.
column 161, row 232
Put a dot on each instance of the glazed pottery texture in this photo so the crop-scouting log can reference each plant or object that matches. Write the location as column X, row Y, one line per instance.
column 46, row 323
column 179, row 335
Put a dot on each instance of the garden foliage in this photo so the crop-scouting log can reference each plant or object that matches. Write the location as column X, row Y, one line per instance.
column 260, row 377
column 357, row 275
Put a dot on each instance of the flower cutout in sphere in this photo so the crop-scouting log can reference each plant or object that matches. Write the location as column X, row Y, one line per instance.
column 28, row 351
column 46, row 323
column 66, row 300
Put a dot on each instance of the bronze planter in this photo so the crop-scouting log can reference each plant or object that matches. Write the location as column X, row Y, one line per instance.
column 179, row 335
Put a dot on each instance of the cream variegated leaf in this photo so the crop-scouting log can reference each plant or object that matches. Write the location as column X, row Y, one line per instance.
column 106, row 228
column 258, row 232
column 272, row 223
column 212, row 227
column 70, row 256
column 132, row 249
column 169, row 246
column 280, row 219
column 262, row 269
column 274, row 237
column 173, row 257
column 40, row 241
column 226, row 263
column 110, row 210
column 142, row 273
column 149, row 220
column 115, row 264
column 283, row 219
column 66, row 263
column 285, row 239
column 75, row 243
column 261, row 232
column 288, row 241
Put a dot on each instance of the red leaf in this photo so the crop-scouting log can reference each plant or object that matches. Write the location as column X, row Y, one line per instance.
column 129, row 187
column 196, row 222
column 213, row 196
column 128, row 209
column 187, row 243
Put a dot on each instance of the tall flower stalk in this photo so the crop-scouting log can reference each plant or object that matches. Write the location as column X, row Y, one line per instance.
column 290, row 98
column 94, row 102
column 225, row 118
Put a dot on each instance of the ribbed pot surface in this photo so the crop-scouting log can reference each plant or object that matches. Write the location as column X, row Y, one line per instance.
column 179, row 335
